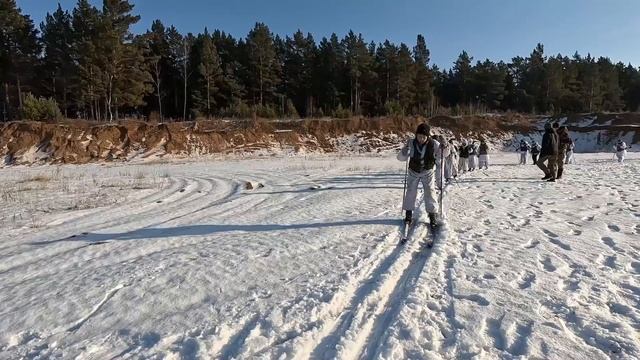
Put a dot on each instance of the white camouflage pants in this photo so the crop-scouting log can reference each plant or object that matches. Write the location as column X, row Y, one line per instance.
column 523, row 157
column 621, row 155
column 568, row 157
column 427, row 178
column 484, row 161
column 463, row 165
column 473, row 162
column 450, row 167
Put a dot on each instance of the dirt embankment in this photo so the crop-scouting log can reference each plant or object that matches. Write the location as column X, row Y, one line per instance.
column 82, row 142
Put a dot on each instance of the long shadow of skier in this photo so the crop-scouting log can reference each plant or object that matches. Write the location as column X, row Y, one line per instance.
column 203, row 230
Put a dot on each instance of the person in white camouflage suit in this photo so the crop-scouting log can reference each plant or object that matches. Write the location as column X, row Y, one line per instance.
column 423, row 153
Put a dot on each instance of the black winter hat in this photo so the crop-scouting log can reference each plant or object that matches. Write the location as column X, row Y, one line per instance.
column 423, row 129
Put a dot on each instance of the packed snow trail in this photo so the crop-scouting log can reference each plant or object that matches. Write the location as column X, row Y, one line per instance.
column 186, row 260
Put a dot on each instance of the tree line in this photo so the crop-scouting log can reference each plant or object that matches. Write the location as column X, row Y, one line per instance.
column 89, row 62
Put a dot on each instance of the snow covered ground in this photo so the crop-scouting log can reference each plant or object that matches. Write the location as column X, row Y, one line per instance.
column 184, row 260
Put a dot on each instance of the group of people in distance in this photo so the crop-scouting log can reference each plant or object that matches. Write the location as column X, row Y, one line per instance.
column 556, row 151
column 432, row 160
column 524, row 149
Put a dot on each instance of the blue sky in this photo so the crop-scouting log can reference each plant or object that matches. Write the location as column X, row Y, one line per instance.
column 495, row 29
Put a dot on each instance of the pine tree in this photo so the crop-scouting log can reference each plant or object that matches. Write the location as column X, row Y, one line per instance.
column 180, row 48
column 329, row 73
column 630, row 82
column 359, row 64
column 405, row 84
column 18, row 52
column 589, row 76
column 263, row 65
column 423, row 76
column 387, row 67
column 231, row 88
column 300, row 54
column 534, row 79
column 610, row 86
column 157, row 55
column 124, row 75
column 85, row 21
column 462, row 75
column 57, row 62
column 554, row 83
column 210, row 70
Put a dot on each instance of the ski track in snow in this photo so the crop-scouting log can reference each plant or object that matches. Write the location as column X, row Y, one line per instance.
column 308, row 265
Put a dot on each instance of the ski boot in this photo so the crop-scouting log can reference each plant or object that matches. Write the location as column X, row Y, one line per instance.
column 408, row 217
column 433, row 221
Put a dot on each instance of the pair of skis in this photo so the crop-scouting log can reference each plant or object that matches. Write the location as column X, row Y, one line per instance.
column 409, row 227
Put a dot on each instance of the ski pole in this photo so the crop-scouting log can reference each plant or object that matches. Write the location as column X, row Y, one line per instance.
column 404, row 189
column 441, row 179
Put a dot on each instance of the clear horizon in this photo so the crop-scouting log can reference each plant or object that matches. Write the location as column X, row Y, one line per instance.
column 493, row 29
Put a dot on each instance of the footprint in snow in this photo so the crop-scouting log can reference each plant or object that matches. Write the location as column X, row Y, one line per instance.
column 474, row 298
column 560, row 244
column 610, row 262
column 614, row 228
column 526, row 280
column 547, row 264
column 612, row 244
column 489, row 276
column 549, row 233
column 531, row 244
column 572, row 285
column 635, row 267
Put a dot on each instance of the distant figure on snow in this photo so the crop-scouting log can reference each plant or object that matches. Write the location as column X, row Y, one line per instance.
column 535, row 151
column 548, row 153
column 451, row 162
column 463, row 165
column 524, row 151
column 563, row 146
column 569, row 157
column 621, row 150
column 484, row 155
column 473, row 156
column 440, row 166
column 423, row 153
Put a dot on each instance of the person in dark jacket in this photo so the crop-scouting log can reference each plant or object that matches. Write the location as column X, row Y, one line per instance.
column 535, row 151
column 524, row 150
column 564, row 141
column 464, row 157
column 484, row 155
column 548, row 153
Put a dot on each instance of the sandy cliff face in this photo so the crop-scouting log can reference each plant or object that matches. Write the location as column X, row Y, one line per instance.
column 82, row 142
